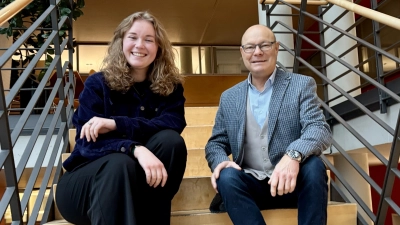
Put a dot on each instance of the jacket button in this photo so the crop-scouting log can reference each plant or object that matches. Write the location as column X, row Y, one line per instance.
column 142, row 108
column 123, row 149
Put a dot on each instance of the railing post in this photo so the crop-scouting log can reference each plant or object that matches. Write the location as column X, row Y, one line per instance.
column 265, row 8
column 323, row 58
column 389, row 176
column 71, row 78
column 57, row 52
column 303, row 7
column 378, row 60
column 9, row 166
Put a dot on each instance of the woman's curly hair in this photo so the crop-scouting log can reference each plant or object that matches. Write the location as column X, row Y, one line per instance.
column 162, row 73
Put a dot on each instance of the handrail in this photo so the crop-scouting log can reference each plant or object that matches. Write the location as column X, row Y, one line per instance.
column 369, row 13
column 361, row 10
column 297, row 2
column 13, row 8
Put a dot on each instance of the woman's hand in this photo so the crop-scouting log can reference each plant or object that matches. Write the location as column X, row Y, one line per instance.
column 96, row 126
column 152, row 166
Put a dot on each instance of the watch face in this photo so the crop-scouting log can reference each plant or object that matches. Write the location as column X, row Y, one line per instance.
column 294, row 155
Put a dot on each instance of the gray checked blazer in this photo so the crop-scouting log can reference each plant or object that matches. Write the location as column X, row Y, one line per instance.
column 295, row 121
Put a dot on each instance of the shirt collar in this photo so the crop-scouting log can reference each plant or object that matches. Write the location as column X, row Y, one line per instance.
column 271, row 79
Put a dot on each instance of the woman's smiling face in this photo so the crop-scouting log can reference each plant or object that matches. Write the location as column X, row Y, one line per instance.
column 139, row 45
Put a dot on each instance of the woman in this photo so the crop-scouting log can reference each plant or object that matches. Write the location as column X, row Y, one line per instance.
column 129, row 157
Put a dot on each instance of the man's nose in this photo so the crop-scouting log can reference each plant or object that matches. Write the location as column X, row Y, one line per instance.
column 258, row 50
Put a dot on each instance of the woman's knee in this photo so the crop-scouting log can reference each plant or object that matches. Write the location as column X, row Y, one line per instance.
column 117, row 164
column 168, row 139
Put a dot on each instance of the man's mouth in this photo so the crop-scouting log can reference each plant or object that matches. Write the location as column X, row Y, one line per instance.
column 258, row 61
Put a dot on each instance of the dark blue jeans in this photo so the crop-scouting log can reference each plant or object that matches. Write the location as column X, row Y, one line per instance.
column 244, row 196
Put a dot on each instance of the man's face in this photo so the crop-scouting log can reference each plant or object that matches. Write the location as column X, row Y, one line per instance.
column 260, row 63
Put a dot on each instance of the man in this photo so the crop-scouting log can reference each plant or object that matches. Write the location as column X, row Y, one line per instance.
column 272, row 125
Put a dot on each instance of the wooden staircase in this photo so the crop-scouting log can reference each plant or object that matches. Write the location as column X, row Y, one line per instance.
column 190, row 204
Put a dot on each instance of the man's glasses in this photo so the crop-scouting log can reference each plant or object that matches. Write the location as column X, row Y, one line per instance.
column 263, row 47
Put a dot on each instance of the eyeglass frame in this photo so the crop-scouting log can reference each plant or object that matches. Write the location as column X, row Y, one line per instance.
column 259, row 46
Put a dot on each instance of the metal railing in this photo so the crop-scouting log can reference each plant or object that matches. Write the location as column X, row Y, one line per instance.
column 322, row 52
column 54, row 120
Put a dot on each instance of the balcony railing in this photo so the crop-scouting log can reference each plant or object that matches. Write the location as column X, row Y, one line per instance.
column 44, row 136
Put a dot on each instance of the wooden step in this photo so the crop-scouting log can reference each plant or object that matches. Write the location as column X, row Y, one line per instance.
column 196, row 116
column 196, row 164
column 338, row 213
column 194, row 193
column 197, row 136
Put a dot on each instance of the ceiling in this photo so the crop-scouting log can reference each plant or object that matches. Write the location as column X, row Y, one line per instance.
column 188, row 22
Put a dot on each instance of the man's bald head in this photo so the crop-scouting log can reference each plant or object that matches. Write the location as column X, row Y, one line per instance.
column 258, row 28
column 259, row 52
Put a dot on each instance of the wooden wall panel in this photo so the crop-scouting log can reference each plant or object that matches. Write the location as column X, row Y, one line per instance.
column 206, row 90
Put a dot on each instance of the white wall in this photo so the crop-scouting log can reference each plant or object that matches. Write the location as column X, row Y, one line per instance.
column 20, row 146
column 368, row 129
column 350, row 80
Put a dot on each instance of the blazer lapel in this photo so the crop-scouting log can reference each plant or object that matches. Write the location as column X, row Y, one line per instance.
column 280, row 85
column 241, row 100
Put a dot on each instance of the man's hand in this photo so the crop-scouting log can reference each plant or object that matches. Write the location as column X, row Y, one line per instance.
column 284, row 176
column 96, row 126
column 152, row 166
column 217, row 170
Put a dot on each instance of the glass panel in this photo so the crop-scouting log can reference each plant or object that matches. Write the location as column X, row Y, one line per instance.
column 229, row 61
column 364, row 56
column 187, row 59
column 389, row 64
column 91, row 57
column 65, row 57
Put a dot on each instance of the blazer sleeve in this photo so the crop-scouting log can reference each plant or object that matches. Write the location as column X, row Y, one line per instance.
column 92, row 103
column 315, row 135
column 218, row 147
column 171, row 115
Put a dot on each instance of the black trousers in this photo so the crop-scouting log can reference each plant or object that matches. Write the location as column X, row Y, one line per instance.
column 113, row 190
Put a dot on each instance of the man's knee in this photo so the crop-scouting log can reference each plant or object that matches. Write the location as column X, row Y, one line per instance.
column 228, row 177
column 313, row 170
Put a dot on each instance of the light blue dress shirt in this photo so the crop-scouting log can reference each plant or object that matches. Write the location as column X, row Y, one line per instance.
column 259, row 101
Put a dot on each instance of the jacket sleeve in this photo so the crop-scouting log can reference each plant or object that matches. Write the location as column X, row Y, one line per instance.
column 92, row 103
column 170, row 115
column 315, row 132
column 218, row 147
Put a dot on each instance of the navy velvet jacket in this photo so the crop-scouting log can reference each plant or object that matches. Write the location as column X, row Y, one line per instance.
column 138, row 114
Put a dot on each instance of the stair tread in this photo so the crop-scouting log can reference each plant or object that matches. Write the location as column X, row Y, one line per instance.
column 205, row 212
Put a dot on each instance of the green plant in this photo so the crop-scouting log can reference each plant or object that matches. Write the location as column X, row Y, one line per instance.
column 27, row 16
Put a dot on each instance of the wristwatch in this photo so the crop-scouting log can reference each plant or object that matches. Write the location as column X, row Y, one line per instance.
column 134, row 147
column 295, row 155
